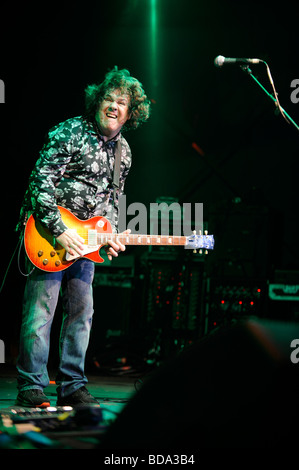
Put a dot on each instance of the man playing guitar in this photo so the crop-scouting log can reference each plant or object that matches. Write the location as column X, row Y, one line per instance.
column 75, row 171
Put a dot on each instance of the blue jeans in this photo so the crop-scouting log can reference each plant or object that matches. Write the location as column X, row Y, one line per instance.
column 40, row 301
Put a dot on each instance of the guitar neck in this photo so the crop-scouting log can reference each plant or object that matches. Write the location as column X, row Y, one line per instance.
column 135, row 239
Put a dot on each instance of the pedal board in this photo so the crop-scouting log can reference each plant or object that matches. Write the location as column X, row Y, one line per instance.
column 54, row 418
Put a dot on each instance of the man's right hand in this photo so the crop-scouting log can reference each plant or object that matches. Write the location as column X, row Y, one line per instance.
column 71, row 242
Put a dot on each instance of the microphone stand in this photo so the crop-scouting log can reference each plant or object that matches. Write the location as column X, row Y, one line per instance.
column 288, row 118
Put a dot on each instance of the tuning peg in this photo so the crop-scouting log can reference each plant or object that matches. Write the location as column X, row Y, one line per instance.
column 200, row 252
column 194, row 232
column 200, row 233
column 194, row 251
column 206, row 252
column 206, row 232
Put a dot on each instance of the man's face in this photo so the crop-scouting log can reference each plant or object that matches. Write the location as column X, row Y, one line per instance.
column 113, row 113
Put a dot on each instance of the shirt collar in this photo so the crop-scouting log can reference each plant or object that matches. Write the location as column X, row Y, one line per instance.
column 93, row 128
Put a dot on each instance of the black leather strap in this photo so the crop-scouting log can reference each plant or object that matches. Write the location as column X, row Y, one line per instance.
column 117, row 158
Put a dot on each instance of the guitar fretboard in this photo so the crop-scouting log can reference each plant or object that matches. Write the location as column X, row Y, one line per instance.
column 135, row 239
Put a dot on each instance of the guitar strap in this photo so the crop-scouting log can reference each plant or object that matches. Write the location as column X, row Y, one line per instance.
column 117, row 158
column 116, row 172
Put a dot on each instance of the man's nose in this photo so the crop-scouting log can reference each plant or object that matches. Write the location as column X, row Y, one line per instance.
column 113, row 106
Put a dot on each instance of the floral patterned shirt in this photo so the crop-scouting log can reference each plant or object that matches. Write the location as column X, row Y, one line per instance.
column 75, row 170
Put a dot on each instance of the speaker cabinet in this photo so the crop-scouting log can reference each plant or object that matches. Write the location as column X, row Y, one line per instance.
column 235, row 388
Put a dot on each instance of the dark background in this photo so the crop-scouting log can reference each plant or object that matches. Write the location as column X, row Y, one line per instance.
column 246, row 173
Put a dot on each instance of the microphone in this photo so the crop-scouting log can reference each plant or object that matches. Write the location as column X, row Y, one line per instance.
column 220, row 60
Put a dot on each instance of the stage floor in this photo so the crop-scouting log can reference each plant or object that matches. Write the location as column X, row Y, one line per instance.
column 112, row 392
column 237, row 388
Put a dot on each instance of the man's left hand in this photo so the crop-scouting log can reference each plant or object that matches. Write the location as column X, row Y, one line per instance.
column 114, row 247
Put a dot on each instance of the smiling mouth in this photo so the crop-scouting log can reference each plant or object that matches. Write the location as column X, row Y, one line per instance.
column 111, row 116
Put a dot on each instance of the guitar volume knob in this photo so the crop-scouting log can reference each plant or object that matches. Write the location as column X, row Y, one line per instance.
column 45, row 262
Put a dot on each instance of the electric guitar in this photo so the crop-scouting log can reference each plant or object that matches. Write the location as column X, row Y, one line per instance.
column 48, row 255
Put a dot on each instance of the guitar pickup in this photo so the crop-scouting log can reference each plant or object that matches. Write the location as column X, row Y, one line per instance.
column 92, row 237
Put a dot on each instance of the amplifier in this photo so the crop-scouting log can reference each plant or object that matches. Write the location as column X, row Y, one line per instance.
column 231, row 299
column 285, row 285
column 284, row 292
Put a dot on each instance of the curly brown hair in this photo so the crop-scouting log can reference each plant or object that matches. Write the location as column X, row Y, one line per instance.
column 121, row 80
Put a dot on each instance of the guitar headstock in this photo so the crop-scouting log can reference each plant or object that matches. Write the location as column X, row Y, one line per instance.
column 200, row 242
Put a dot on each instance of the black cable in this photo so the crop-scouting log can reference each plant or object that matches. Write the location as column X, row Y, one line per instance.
column 19, row 256
column 9, row 264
